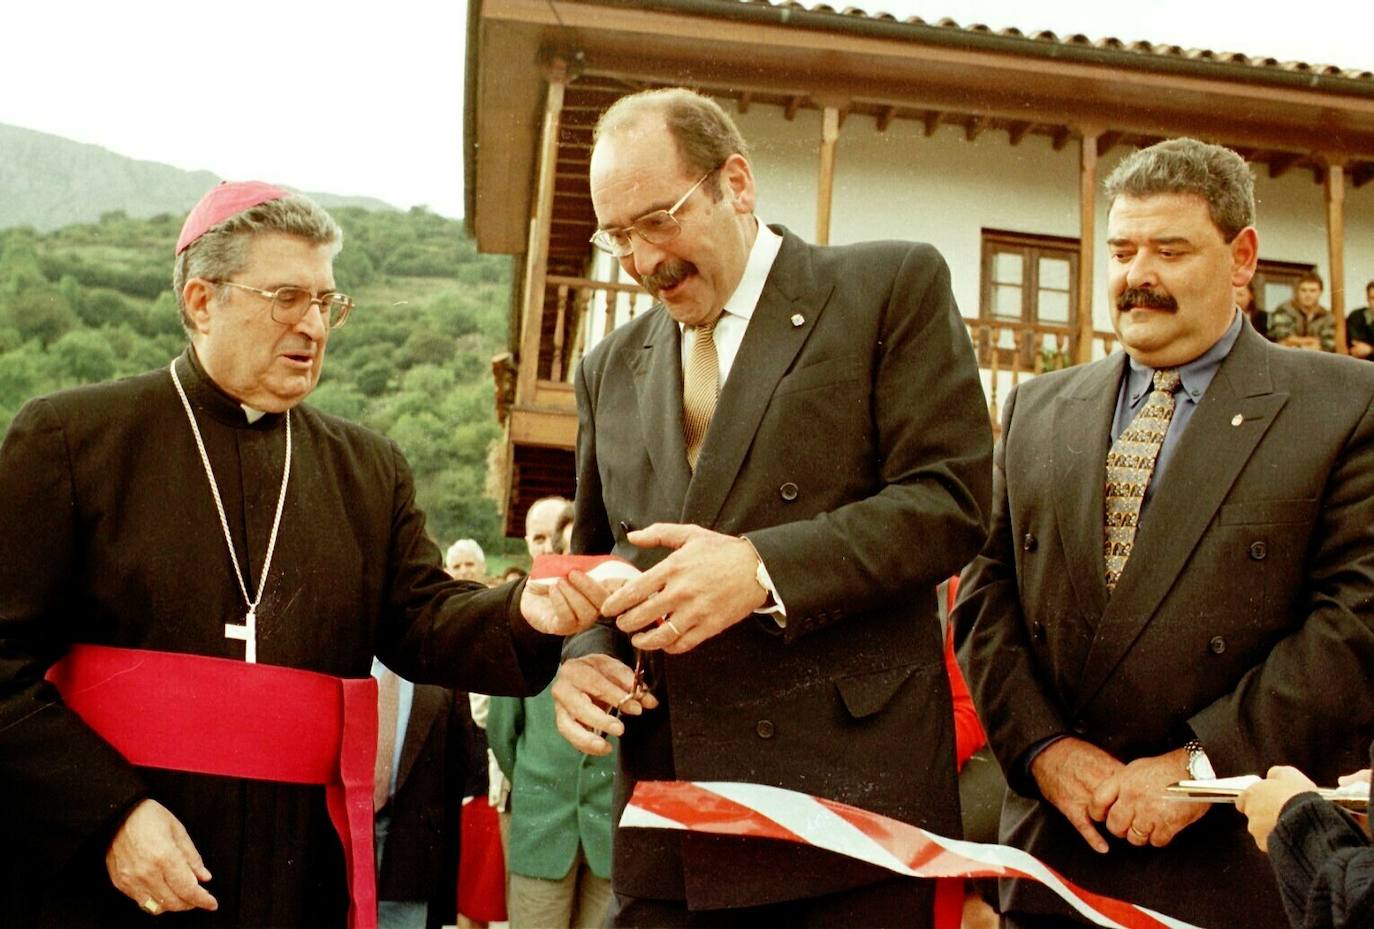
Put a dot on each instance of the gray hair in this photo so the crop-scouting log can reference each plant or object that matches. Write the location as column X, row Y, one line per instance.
column 465, row 545
column 222, row 251
column 1187, row 166
column 704, row 133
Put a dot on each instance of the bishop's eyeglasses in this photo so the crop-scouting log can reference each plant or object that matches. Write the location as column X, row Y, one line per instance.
column 290, row 304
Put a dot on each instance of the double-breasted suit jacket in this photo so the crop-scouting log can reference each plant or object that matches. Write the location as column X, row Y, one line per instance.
column 851, row 445
column 1245, row 614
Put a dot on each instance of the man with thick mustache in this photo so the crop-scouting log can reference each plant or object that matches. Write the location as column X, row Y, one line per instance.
column 794, row 448
column 1180, row 574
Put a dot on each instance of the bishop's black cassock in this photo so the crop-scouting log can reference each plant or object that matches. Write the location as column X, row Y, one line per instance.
column 109, row 535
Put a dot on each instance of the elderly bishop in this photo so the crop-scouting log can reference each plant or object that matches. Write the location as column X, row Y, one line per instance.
column 196, row 570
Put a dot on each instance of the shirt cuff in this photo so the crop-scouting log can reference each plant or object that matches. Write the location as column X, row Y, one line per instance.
column 773, row 606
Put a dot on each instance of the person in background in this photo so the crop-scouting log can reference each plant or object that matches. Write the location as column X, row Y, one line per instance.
column 1322, row 855
column 1359, row 327
column 1245, row 299
column 564, row 530
column 419, row 784
column 465, row 561
column 1303, row 322
column 558, row 835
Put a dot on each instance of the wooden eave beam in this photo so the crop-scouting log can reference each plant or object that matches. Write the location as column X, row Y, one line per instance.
column 1281, row 162
column 1106, row 141
column 1016, row 132
column 1362, row 175
column 932, row 120
column 974, row 128
column 885, row 117
column 745, row 99
column 1061, row 136
column 1207, row 120
column 793, row 104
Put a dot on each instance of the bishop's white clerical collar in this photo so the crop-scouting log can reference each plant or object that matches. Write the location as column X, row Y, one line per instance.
column 252, row 414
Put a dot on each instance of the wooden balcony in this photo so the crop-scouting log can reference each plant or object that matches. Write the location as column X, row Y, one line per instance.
column 541, row 416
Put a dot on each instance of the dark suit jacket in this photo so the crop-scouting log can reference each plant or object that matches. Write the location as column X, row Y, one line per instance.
column 1245, row 614
column 420, row 860
column 851, row 444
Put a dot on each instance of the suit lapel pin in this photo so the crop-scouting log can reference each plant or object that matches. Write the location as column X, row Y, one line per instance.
column 1237, row 419
column 798, row 319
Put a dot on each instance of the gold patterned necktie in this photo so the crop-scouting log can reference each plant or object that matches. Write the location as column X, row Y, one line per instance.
column 388, row 699
column 1130, row 464
column 700, row 389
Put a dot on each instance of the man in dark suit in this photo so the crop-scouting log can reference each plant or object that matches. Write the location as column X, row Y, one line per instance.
column 793, row 446
column 419, row 826
column 1224, row 622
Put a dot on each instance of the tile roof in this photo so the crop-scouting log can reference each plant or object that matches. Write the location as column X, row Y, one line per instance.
column 1078, row 40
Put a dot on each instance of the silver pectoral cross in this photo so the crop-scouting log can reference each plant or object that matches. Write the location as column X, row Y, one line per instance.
column 248, row 632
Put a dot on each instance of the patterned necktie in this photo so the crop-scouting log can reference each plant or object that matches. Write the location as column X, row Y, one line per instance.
column 388, row 699
column 700, row 389
column 1129, row 466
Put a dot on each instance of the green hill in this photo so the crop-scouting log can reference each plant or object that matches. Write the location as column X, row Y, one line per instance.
column 48, row 182
column 93, row 301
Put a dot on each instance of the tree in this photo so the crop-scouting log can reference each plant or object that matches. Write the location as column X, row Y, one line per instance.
column 83, row 357
column 40, row 312
column 90, row 302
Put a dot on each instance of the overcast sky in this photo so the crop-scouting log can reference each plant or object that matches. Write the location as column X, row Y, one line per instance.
column 367, row 98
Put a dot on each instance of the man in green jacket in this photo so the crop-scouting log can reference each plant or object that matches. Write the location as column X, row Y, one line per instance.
column 558, row 850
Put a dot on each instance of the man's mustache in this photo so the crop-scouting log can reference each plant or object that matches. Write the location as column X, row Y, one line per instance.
column 669, row 274
column 1146, row 297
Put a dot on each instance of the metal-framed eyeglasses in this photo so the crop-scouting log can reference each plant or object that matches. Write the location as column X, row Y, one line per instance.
column 290, row 304
column 657, row 228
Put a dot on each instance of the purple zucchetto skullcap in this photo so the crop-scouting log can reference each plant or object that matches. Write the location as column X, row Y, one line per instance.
column 228, row 199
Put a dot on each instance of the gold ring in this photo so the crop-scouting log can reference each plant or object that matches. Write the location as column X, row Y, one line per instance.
column 671, row 625
column 624, row 700
column 152, row 906
column 1138, row 834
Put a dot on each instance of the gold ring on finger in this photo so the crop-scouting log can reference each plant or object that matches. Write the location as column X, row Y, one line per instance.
column 1143, row 836
column 673, row 626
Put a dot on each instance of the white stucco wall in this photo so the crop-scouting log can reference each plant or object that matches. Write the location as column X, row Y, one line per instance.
column 945, row 190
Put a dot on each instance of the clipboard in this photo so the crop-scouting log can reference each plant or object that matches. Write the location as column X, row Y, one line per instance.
column 1353, row 797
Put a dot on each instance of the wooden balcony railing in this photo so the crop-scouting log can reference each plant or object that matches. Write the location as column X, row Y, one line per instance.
column 580, row 312
column 583, row 312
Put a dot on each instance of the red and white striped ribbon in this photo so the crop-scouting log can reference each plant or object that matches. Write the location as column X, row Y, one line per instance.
column 725, row 808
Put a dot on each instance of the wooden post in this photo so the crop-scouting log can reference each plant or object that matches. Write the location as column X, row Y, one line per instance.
column 830, row 136
column 537, row 253
column 1087, row 232
column 1335, row 243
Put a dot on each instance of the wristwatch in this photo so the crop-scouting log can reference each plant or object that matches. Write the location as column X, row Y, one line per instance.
column 1199, row 765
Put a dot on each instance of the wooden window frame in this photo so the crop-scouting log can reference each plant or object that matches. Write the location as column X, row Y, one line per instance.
column 1272, row 272
column 1031, row 247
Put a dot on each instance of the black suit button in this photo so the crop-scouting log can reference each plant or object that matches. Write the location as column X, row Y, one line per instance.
column 788, row 491
column 1258, row 550
column 764, row 728
column 1217, row 645
column 1038, row 632
column 1028, row 543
